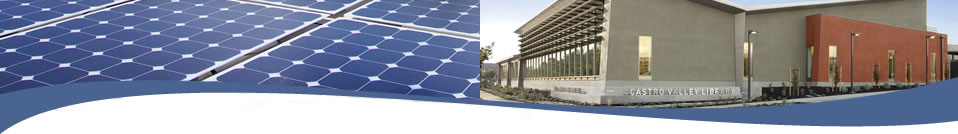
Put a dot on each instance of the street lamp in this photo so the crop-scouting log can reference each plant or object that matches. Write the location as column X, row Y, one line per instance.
column 749, row 38
column 926, row 59
column 854, row 34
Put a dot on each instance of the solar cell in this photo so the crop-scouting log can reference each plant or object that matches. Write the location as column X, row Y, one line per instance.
column 18, row 15
column 460, row 17
column 350, row 54
column 144, row 40
column 324, row 6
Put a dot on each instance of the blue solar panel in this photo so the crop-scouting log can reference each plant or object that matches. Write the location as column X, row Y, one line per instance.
column 455, row 16
column 144, row 40
column 324, row 6
column 16, row 15
column 355, row 55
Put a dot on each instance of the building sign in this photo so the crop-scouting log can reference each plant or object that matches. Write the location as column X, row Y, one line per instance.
column 569, row 90
column 680, row 91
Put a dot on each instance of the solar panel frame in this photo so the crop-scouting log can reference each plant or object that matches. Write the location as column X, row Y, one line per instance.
column 4, row 33
column 217, row 65
column 466, row 93
column 444, row 30
column 308, row 8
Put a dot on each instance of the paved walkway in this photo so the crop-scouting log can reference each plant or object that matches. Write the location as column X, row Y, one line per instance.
column 490, row 97
column 806, row 100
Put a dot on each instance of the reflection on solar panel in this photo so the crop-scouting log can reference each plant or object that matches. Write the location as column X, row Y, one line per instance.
column 324, row 6
column 458, row 16
column 145, row 40
column 354, row 55
column 21, row 14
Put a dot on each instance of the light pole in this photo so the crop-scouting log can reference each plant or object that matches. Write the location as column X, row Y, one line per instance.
column 854, row 34
column 926, row 59
column 749, row 38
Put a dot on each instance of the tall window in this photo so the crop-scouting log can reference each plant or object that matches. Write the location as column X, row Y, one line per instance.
column 582, row 60
column 832, row 62
column 932, row 66
column 645, row 57
column 588, row 59
column 808, row 62
column 503, row 70
column 597, row 57
column 891, row 65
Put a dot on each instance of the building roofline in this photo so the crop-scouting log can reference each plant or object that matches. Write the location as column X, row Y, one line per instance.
column 724, row 5
column 555, row 6
column 732, row 7
column 514, row 57
column 806, row 5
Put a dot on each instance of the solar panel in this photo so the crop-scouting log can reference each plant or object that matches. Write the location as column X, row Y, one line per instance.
column 323, row 6
column 459, row 17
column 18, row 15
column 144, row 40
column 355, row 55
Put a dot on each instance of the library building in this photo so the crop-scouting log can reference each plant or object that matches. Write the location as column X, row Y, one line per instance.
column 644, row 51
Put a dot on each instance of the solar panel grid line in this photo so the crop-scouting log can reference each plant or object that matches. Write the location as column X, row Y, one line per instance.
column 333, row 54
column 139, row 9
column 263, row 47
column 24, row 19
column 318, row 6
column 347, row 64
column 455, row 17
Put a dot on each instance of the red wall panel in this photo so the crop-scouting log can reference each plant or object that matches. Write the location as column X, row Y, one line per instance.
column 870, row 48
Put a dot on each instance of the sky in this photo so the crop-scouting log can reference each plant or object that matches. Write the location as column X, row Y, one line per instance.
column 502, row 17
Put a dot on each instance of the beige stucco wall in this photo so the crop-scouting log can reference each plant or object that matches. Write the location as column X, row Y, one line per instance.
column 691, row 42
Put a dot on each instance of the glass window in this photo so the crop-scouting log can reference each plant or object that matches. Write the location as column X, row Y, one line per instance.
column 575, row 61
column 588, row 59
column 540, row 68
column 592, row 61
column 809, row 62
column 561, row 67
column 891, row 65
column 598, row 59
column 578, row 61
column 645, row 56
column 569, row 63
column 558, row 61
column 932, row 66
column 565, row 62
column 532, row 68
column 553, row 64
column 535, row 67
column 832, row 62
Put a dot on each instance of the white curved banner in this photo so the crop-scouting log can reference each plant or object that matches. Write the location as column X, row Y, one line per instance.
column 245, row 113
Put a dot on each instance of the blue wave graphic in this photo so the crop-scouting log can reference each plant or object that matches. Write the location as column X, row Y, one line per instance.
column 924, row 105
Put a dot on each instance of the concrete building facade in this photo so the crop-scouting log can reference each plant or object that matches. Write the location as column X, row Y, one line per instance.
column 632, row 51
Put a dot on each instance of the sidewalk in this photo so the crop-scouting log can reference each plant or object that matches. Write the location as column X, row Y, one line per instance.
column 805, row 100
column 490, row 97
